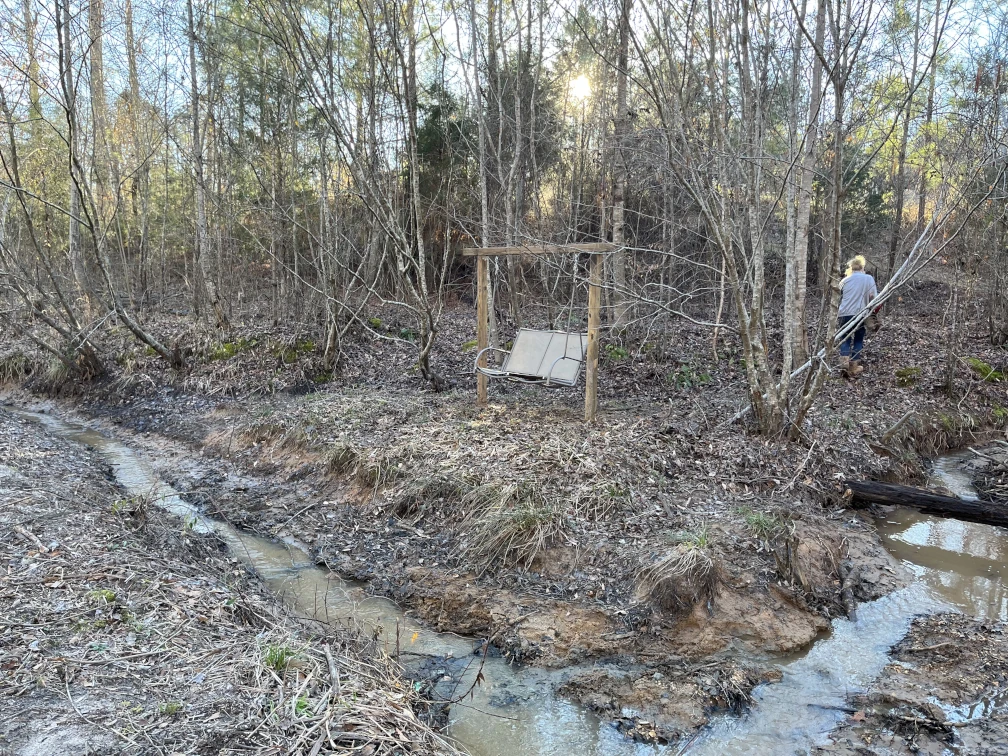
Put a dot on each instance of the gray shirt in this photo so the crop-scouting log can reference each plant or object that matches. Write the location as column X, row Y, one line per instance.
column 856, row 291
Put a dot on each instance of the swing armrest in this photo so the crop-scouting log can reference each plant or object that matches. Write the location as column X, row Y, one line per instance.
column 549, row 373
column 481, row 352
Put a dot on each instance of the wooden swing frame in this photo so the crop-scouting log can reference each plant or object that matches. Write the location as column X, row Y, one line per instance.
column 596, row 251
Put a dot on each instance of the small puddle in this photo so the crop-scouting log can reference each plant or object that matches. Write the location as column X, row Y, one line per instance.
column 515, row 711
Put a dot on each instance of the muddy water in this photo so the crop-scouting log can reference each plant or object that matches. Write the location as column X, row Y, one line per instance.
column 963, row 563
column 514, row 711
column 957, row 565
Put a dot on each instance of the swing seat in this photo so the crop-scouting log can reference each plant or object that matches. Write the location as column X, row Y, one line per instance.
column 551, row 358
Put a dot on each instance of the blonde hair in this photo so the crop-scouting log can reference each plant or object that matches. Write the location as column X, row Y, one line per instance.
column 857, row 262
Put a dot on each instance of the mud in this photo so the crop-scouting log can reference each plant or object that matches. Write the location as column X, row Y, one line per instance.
column 944, row 692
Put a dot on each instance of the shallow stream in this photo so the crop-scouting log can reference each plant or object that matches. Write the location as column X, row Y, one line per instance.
column 514, row 711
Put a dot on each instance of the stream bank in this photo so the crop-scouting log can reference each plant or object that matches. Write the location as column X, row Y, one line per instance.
column 667, row 672
column 517, row 710
column 126, row 630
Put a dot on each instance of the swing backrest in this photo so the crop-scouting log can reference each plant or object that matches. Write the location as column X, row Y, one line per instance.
column 538, row 356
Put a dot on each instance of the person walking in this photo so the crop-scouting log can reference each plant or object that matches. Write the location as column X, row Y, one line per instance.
column 857, row 289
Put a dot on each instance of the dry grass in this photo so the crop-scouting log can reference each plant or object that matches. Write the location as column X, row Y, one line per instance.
column 688, row 574
column 510, row 523
column 418, row 495
column 14, row 367
column 340, row 459
column 932, row 434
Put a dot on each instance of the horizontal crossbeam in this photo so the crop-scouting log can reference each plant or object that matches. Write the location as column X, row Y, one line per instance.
column 538, row 249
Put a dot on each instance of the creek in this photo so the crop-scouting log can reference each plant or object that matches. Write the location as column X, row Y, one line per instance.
column 514, row 710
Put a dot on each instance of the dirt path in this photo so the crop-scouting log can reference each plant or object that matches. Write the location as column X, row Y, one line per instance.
column 126, row 632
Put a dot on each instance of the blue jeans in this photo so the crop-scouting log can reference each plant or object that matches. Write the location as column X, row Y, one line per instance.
column 853, row 344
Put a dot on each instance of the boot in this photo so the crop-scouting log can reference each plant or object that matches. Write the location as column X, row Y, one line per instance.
column 855, row 368
column 844, row 365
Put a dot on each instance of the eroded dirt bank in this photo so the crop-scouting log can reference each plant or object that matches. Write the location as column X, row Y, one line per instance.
column 124, row 631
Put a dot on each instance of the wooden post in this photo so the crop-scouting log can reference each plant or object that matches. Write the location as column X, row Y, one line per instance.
column 594, row 321
column 482, row 325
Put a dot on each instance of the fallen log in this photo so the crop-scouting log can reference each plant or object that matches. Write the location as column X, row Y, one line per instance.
column 864, row 493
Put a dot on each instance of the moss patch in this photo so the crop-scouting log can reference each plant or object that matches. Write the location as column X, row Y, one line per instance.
column 907, row 376
column 984, row 371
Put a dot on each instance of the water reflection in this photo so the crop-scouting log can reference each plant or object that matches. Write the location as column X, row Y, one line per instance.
column 963, row 562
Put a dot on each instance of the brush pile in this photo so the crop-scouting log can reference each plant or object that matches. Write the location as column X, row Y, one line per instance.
column 991, row 480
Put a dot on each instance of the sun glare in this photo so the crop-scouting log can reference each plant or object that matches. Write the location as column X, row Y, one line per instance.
column 580, row 88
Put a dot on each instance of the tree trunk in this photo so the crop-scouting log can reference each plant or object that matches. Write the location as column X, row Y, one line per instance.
column 142, row 179
column 900, row 187
column 929, row 117
column 69, row 85
column 202, row 240
column 866, row 493
column 798, row 336
column 619, row 258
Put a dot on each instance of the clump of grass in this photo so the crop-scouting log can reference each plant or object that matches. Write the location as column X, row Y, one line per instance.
column 375, row 323
column 289, row 353
column 984, row 371
column 763, row 525
column 14, row 367
column 688, row 574
column 616, row 353
column 56, row 373
column 170, row 708
column 907, row 376
column 686, row 377
column 468, row 346
column 262, row 431
column 101, row 595
column 511, row 523
column 340, row 459
column 228, row 349
column 278, row 658
column 133, row 507
column 418, row 493
column 931, row 434
column 600, row 501
column 377, row 471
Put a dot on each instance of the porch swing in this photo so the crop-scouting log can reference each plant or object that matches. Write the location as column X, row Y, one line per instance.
column 547, row 358
column 544, row 358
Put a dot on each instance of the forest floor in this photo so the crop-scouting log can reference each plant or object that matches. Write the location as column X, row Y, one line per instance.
column 661, row 536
